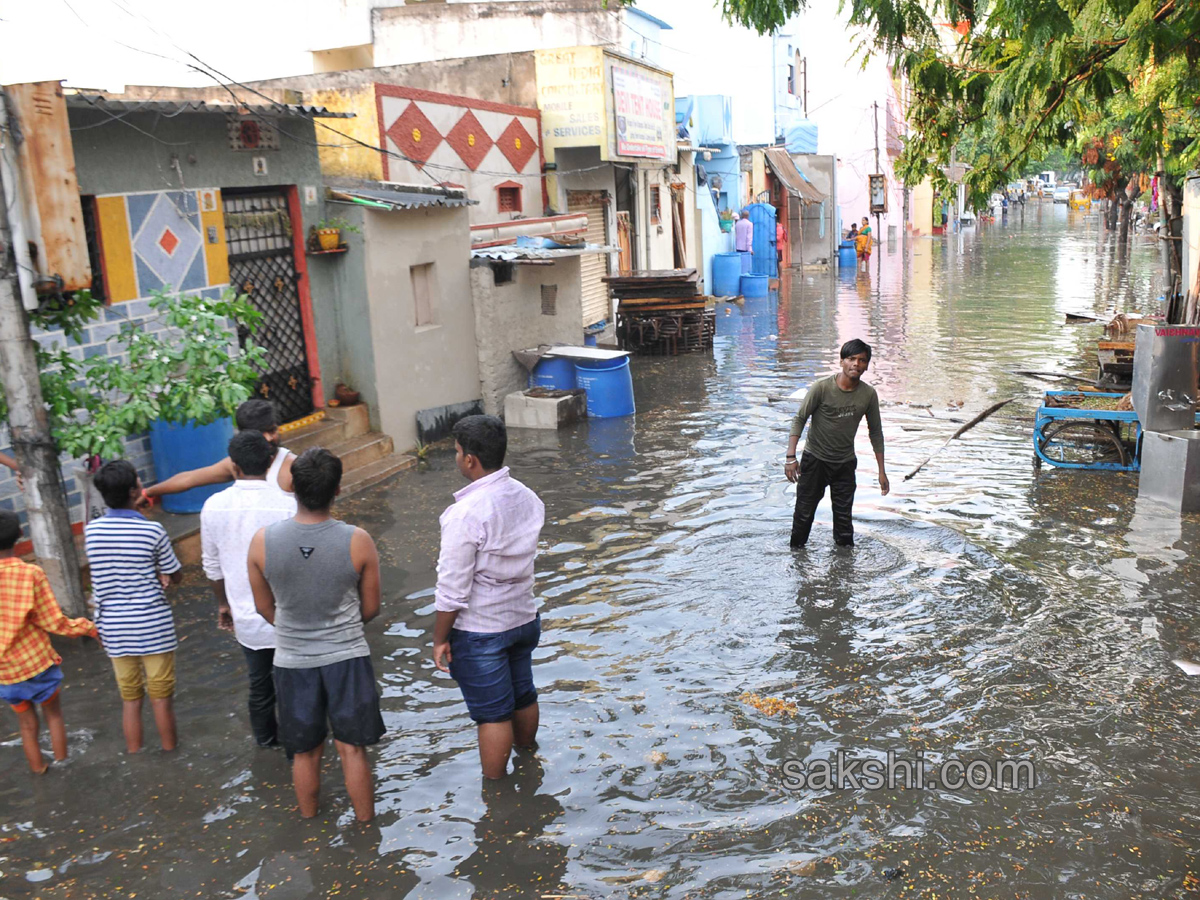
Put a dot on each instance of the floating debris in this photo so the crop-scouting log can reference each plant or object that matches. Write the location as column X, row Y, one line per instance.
column 770, row 706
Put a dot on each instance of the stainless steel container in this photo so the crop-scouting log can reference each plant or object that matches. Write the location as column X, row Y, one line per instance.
column 1171, row 469
column 1166, row 362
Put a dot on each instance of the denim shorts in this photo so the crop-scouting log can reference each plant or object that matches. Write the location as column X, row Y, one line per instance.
column 494, row 671
column 38, row 689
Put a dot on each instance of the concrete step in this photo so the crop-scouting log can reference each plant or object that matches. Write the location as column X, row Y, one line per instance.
column 362, row 450
column 372, row 474
column 357, row 418
column 319, row 434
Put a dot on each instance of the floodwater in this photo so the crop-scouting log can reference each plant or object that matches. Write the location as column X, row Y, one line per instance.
column 986, row 612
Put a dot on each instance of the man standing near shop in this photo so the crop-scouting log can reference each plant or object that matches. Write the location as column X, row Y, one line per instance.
column 835, row 406
column 743, row 235
column 487, row 620
column 228, row 524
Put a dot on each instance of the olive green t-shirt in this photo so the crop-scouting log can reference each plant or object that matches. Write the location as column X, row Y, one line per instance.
column 835, row 416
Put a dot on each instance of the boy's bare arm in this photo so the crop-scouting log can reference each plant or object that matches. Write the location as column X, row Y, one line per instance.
column 217, row 473
column 365, row 558
column 256, row 564
column 48, row 616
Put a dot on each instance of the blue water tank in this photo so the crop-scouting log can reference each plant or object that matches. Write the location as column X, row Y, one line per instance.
column 726, row 271
column 747, row 260
column 847, row 255
column 609, row 386
column 755, row 285
column 765, row 260
column 554, row 373
column 180, row 448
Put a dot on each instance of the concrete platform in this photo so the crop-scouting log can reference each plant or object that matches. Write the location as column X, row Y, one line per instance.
column 544, row 409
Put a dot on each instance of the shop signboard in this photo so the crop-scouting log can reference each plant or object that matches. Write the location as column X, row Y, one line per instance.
column 643, row 112
column 571, row 97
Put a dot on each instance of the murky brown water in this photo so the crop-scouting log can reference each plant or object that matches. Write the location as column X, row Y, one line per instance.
column 985, row 612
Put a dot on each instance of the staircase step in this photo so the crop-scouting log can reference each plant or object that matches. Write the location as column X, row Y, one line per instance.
column 362, row 450
column 373, row 473
column 319, row 434
column 357, row 418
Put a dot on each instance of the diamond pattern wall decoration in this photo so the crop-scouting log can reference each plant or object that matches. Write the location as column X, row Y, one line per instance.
column 516, row 145
column 414, row 135
column 470, row 141
column 168, row 242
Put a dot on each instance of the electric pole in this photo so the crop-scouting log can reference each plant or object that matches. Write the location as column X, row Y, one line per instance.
column 878, row 239
column 28, row 424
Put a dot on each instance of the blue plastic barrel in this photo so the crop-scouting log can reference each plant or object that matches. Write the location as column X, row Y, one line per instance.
column 554, row 373
column 609, row 386
column 755, row 285
column 765, row 259
column 747, row 260
column 726, row 272
column 847, row 254
column 180, row 448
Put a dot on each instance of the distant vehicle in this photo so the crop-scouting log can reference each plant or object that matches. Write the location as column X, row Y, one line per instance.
column 1079, row 200
column 1062, row 194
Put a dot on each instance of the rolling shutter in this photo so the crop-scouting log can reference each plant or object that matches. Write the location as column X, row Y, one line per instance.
column 594, row 266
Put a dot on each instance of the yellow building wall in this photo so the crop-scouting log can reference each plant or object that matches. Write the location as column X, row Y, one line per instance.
column 921, row 200
column 349, row 161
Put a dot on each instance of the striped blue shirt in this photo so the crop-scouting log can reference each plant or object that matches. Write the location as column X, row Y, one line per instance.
column 127, row 552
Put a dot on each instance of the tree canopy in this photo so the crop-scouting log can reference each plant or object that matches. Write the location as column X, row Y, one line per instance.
column 1019, row 78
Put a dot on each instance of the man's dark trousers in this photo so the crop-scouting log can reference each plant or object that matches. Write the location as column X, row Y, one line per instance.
column 261, row 664
column 815, row 476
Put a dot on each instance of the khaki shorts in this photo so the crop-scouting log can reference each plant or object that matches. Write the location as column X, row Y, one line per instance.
column 140, row 675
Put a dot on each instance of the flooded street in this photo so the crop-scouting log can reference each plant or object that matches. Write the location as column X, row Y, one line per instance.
column 987, row 611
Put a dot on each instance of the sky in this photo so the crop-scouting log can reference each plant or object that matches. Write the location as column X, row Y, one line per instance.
column 106, row 44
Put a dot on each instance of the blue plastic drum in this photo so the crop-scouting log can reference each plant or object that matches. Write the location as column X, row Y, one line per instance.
column 181, row 448
column 609, row 386
column 755, row 285
column 747, row 261
column 554, row 373
column 726, row 272
column 847, row 255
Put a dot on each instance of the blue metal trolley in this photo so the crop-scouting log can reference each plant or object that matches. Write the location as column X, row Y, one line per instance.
column 1074, row 438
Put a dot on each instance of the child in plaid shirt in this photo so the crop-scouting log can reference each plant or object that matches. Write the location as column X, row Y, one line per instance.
column 29, row 671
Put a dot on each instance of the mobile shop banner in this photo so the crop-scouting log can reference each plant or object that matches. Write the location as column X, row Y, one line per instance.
column 639, row 106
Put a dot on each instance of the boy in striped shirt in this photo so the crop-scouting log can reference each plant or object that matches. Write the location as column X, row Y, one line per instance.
column 132, row 563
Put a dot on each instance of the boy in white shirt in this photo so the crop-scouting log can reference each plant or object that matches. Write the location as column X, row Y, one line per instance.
column 228, row 522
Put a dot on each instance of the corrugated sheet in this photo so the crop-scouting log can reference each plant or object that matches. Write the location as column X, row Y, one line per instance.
column 95, row 101
column 410, row 199
column 509, row 252
column 593, row 267
column 785, row 170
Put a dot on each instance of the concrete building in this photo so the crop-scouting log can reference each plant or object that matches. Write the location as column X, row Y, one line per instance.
column 819, row 228
column 200, row 197
column 356, row 34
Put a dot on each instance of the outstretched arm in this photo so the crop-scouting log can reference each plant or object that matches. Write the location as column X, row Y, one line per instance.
column 875, row 430
column 217, row 473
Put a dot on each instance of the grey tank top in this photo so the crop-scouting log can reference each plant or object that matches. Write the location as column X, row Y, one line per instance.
column 318, row 620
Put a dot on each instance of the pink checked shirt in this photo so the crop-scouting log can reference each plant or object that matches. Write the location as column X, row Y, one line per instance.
column 489, row 540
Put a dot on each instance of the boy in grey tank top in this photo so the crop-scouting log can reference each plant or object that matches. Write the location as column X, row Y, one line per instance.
column 317, row 581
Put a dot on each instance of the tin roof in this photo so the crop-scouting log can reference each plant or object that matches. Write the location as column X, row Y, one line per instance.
column 785, row 170
column 404, row 196
column 511, row 252
column 98, row 101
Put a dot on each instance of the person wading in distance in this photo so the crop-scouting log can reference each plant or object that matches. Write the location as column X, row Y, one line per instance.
column 835, row 405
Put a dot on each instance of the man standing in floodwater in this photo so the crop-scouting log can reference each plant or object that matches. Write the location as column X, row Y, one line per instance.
column 835, row 405
column 487, row 620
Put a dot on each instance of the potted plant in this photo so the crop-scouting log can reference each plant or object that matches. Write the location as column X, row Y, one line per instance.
column 329, row 232
column 181, row 382
column 726, row 218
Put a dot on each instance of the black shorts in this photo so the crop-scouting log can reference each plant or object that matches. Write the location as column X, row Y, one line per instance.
column 343, row 693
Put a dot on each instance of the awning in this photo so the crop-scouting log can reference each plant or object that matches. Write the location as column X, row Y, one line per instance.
column 171, row 107
column 785, row 170
column 404, row 196
column 513, row 253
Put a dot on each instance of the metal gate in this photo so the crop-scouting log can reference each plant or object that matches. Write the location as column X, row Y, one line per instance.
column 593, row 266
column 262, row 265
